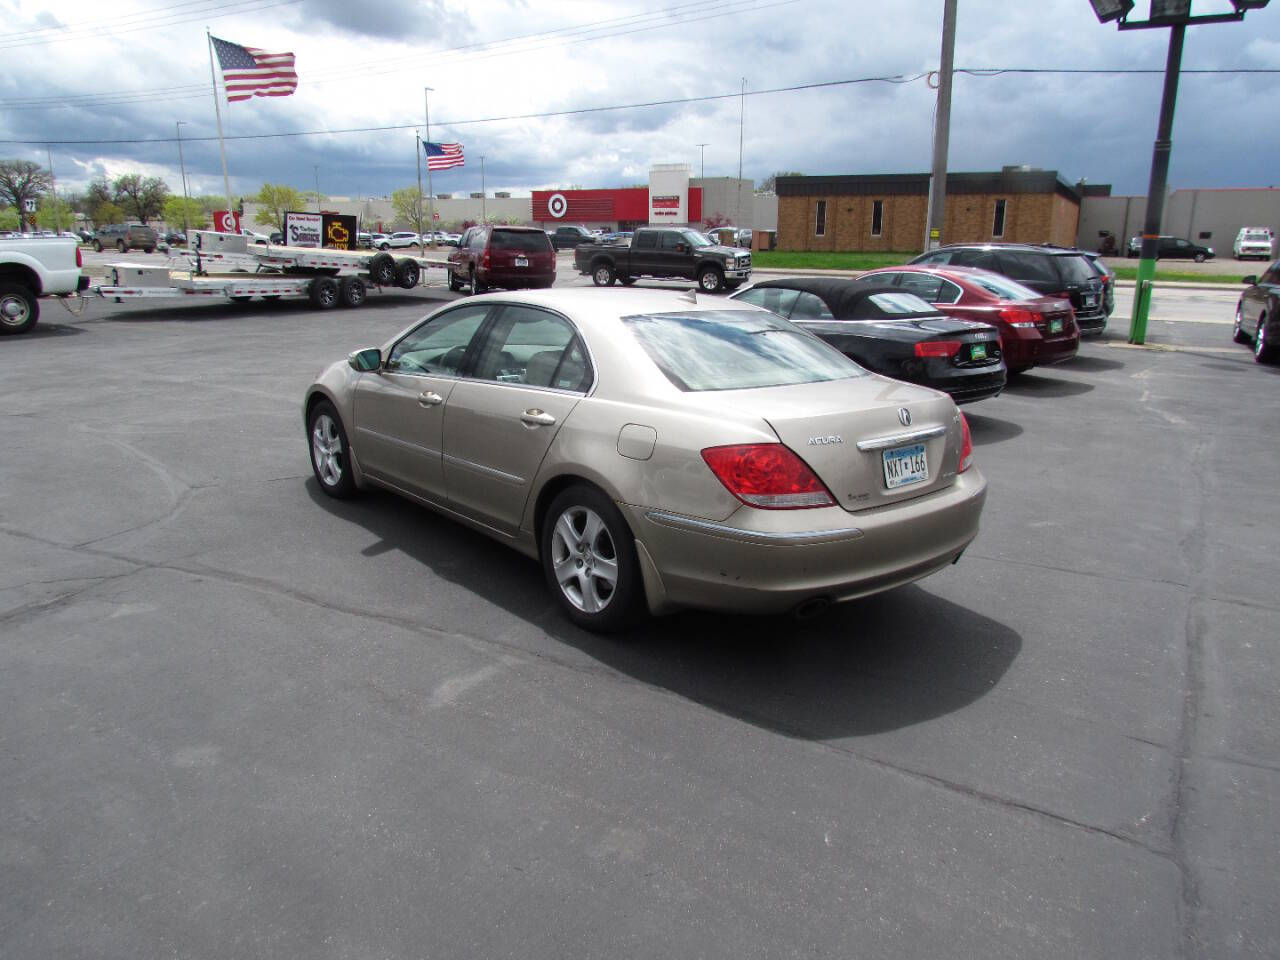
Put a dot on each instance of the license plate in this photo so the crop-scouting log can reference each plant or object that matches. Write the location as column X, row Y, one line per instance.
column 1055, row 325
column 905, row 465
column 1091, row 300
column 522, row 261
column 978, row 351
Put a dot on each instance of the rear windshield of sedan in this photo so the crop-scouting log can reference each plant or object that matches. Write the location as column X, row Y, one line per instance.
column 526, row 241
column 736, row 350
column 1004, row 287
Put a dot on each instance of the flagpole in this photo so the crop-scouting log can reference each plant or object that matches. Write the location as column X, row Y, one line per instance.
column 431, row 205
column 484, row 216
column 222, row 146
column 417, row 207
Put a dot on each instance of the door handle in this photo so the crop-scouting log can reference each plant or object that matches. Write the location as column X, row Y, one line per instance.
column 428, row 398
column 537, row 418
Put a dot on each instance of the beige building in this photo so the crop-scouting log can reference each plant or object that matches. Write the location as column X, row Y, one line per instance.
column 889, row 212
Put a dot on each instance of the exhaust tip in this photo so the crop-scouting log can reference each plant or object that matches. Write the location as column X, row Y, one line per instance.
column 811, row 608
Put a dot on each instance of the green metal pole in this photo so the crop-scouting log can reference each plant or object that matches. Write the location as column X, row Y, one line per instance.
column 1157, row 188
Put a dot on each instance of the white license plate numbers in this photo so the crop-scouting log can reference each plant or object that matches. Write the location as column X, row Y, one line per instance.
column 1055, row 326
column 522, row 261
column 905, row 465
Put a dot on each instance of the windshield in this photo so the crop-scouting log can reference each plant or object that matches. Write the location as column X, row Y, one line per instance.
column 900, row 303
column 1004, row 287
column 696, row 239
column 1257, row 235
column 1076, row 269
column 736, row 350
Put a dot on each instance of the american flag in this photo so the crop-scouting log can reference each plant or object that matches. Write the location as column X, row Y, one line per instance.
column 250, row 72
column 442, row 156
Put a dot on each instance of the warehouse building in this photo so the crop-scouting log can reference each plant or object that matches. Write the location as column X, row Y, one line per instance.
column 889, row 212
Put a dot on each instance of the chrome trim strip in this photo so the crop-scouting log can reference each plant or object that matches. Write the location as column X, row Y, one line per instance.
column 480, row 468
column 758, row 536
column 884, row 443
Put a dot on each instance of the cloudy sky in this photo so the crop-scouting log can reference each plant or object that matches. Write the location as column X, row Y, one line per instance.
column 81, row 74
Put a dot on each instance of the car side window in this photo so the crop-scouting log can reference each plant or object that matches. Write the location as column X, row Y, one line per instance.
column 778, row 299
column 923, row 285
column 477, row 240
column 648, row 240
column 949, row 293
column 938, row 256
column 533, row 347
column 976, row 258
column 671, row 240
column 809, row 306
column 438, row 346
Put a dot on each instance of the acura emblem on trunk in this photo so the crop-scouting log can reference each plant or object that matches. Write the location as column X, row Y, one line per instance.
column 904, row 416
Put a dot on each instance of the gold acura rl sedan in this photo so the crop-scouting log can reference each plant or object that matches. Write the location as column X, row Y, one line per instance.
column 655, row 450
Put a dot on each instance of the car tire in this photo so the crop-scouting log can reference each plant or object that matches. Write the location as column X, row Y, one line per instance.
column 1238, row 335
column 626, row 281
column 407, row 274
column 150, row 249
column 454, row 283
column 384, row 247
column 352, row 291
column 474, row 286
column 121, row 246
column 243, row 298
column 588, row 556
column 330, row 453
column 324, row 293
column 1199, row 258
column 19, row 308
column 710, row 280
column 602, row 274
column 97, row 246
column 382, row 270
column 1262, row 350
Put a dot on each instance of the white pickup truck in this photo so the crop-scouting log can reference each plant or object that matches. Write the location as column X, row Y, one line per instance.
column 34, row 267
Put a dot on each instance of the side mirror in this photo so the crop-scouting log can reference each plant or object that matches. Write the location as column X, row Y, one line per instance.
column 1251, row 279
column 366, row 361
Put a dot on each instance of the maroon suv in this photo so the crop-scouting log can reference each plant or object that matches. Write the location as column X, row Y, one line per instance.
column 513, row 258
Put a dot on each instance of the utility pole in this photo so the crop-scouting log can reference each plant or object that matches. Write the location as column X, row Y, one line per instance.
column 484, row 215
column 742, row 114
column 316, row 168
column 417, row 207
column 703, row 147
column 942, row 129
column 182, row 166
column 53, row 188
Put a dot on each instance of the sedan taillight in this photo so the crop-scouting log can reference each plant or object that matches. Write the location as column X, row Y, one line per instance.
column 966, row 445
column 767, row 475
column 938, row 348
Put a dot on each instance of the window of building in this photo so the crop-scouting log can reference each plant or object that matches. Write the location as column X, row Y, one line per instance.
column 820, row 226
column 877, row 217
column 997, row 225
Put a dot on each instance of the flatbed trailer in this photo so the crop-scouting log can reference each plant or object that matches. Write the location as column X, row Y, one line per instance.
column 265, row 272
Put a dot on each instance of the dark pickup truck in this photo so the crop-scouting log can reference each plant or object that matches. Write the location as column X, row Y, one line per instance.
column 665, row 253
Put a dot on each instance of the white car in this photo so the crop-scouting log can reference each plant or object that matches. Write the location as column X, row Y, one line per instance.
column 255, row 237
column 1254, row 242
column 400, row 239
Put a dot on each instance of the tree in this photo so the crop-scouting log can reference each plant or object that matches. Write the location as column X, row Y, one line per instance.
column 55, row 214
column 196, row 215
column 410, row 205
column 273, row 200
column 144, row 197
column 9, row 219
column 22, row 181
column 106, row 213
column 716, row 219
column 770, row 184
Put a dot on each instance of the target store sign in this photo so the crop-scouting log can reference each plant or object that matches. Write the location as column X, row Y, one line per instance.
column 226, row 221
column 557, row 205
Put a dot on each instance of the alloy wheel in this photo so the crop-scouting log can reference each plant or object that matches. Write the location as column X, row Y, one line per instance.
column 1260, row 340
column 326, row 450
column 584, row 558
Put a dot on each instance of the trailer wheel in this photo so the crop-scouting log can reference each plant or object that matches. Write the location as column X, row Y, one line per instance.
column 324, row 292
column 244, row 298
column 353, row 291
column 407, row 274
column 382, row 270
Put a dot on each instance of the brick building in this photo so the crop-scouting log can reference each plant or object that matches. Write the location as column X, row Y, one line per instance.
column 890, row 211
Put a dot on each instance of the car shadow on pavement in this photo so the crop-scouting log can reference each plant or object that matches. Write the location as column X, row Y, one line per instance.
column 45, row 330
column 1039, row 385
column 1092, row 364
column 160, row 311
column 989, row 430
column 865, row 667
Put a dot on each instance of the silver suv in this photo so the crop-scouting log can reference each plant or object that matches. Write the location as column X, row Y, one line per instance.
column 126, row 236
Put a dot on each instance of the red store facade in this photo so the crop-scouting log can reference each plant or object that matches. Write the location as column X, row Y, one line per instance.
column 622, row 209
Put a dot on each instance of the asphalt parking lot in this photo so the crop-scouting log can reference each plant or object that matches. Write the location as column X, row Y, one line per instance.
column 241, row 719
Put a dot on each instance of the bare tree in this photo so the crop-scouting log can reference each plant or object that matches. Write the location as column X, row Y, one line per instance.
column 22, row 181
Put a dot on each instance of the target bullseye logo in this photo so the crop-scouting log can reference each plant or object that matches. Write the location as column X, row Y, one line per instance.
column 557, row 205
column 225, row 222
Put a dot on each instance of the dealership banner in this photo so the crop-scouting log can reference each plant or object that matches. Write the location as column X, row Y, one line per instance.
column 340, row 231
column 303, row 229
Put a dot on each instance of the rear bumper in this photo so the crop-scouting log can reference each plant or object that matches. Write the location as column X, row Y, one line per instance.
column 761, row 561
column 1020, row 354
column 516, row 279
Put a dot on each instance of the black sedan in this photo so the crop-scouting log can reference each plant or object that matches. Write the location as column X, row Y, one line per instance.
column 1258, row 315
column 891, row 332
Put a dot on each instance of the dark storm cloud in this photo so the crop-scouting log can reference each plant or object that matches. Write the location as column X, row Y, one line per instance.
column 408, row 22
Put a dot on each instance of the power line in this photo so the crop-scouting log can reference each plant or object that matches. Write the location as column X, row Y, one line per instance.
column 148, row 14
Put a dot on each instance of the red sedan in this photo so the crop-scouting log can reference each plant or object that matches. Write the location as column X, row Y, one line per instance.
column 1034, row 329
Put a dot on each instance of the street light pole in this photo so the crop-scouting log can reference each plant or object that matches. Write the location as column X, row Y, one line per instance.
column 942, row 129
column 742, row 116
column 316, row 168
column 182, row 167
column 1156, row 190
column 53, row 188
column 484, row 214
column 703, row 148
column 431, row 201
